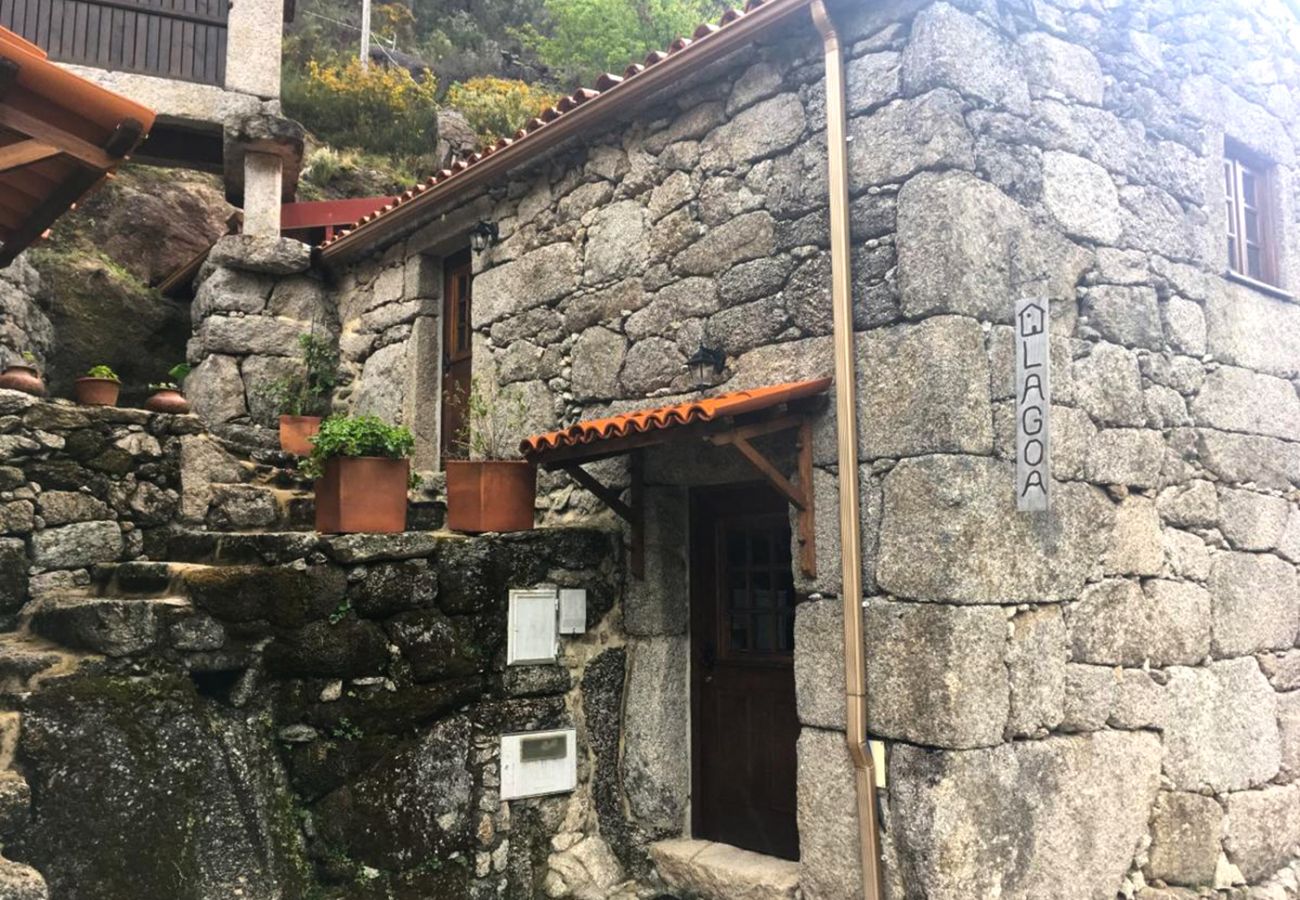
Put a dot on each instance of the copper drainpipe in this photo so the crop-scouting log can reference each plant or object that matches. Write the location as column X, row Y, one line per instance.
column 846, row 433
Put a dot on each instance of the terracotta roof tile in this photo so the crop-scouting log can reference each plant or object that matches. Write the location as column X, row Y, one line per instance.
column 667, row 417
column 606, row 82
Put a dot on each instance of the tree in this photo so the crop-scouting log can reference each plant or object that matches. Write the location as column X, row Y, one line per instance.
column 588, row 37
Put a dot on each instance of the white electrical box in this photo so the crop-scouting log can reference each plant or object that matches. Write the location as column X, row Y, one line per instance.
column 532, row 636
column 534, row 764
column 573, row 610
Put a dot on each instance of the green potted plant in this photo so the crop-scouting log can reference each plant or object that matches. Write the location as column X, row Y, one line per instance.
column 98, row 387
column 23, row 376
column 490, row 489
column 167, row 396
column 302, row 397
column 362, row 469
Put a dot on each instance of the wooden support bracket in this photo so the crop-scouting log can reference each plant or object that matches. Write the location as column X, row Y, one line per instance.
column 14, row 156
column 633, row 513
column 800, row 495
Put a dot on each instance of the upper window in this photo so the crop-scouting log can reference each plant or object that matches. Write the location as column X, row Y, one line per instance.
column 1248, row 200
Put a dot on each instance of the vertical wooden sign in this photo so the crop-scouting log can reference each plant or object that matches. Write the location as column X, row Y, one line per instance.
column 1033, row 406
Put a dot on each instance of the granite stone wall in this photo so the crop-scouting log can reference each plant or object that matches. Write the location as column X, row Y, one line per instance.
column 1096, row 701
column 24, row 327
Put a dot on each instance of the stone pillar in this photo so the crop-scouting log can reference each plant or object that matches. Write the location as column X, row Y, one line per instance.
column 263, row 177
column 263, row 154
column 253, row 38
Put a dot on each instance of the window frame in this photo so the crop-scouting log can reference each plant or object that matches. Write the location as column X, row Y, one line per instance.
column 1240, row 164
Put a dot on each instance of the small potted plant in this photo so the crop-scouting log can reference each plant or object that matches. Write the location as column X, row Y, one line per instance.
column 300, row 398
column 167, row 396
column 23, row 376
column 489, row 490
column 362, row 469
column 98, row 387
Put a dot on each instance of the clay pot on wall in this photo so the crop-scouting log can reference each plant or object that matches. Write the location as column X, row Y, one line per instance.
column 168, row 401
column 296, row 433
column 96, row 391
column 23, row 378
column 362, row 493
column 490, row 495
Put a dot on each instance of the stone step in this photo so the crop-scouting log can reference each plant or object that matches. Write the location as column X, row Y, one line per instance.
column 248, row 507
column 22, row 658
column 714, row 871
column 113, row 626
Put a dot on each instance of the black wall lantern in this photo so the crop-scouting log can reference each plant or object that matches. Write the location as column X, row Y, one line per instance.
column 704, row 359
column 483, row 235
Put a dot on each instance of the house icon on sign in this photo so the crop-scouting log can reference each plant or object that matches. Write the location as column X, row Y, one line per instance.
column 1032, row 319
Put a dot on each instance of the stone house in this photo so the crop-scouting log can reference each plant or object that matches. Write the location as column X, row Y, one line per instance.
column 1098, row 699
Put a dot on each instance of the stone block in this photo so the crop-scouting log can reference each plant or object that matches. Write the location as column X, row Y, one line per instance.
column 904, row 137
column 720, row 872
column 956, row 237
column 13, row 574
column 1118, row 623
column 1184, row 322
column 537, row 278
column 616, row 243
column 1083, row 802
column 1240, row 400
column 257, row 335
column 1281, row 669
column 747, row 237
column 1249, row 329
column 1108, row 386
column 1256, row 603
column 1126, row 456
column 763, row 130
column 1185, row 832
column 1089, row 697
column 267, row 255
column 1288, row 543
column 215, row 390
column 1136, row 545
column 1220, row 727
column 1262, row 830
column 828, row 818
column 1288, row 726
column 1252, row 521
column 1082, row 198
column 1036, row 665
column 230, row 290
column 949, row 48
column 77, row 546
column 924, row 388
column 819, row 663
column 1129, row 316
column 382, row 388
column 659, row 603
column 1194, row 505
column 871, row 80
column 1061, row 70
column 1243, row 458
column 655, row 736
column 950, row 531
column 937, row 674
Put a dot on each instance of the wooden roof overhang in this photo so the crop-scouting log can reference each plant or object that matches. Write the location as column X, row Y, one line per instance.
column 60, row 136
column 734, row 419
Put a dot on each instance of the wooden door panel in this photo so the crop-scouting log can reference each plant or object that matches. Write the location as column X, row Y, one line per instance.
column 744, row 725
column 457, row 350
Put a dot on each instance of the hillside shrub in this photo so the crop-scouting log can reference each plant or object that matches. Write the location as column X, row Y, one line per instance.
column 497, row 107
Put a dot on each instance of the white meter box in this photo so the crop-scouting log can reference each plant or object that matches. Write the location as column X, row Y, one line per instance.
column 532, row 635
column 538, row 763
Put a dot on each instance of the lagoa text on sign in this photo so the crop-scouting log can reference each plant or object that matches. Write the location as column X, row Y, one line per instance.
column 1033, row 406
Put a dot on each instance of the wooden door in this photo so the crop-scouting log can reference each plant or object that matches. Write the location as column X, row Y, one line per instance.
column 457, row 342
column 744, row 723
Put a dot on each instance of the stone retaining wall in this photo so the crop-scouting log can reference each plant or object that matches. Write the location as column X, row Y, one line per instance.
column 24, row 327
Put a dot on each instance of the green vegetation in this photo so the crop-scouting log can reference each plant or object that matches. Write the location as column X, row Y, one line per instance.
column 357, row 436
column 494, row 420
column 307, row 391
column 498, row 107
column 102, row 372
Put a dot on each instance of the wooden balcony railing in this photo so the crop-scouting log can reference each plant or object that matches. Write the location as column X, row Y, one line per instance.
column 177, row 39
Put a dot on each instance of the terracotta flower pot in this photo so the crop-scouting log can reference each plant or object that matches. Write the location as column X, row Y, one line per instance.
column 96, row 391
column 490, row 495
column 296, row 433
column 168, row 401
column 362, row 493
column 22, row 378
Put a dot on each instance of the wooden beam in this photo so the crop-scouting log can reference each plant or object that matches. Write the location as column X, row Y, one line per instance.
column 43, row 131
column 633, row 513
column 606, row 495
column 770, row 472
column 756, row 429
column 807, row 520
column 24, row 153
column 8, row 75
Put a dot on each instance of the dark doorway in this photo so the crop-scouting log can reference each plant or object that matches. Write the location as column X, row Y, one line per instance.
column 744, row 723
column 457, row 344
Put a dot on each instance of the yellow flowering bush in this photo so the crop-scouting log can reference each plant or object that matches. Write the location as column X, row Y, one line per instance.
column 497, row 107
column 382, row 109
